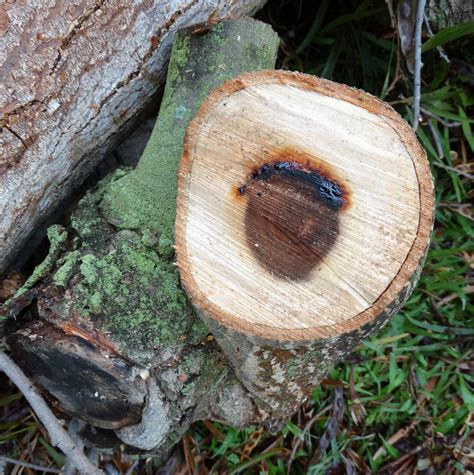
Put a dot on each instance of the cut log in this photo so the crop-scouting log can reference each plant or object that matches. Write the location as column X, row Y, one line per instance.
column 73, row 76
column 304, row 215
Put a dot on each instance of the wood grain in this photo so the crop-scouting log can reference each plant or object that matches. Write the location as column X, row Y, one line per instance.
column 346, row 133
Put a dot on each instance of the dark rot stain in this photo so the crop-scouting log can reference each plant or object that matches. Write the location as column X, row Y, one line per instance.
column 292, row 216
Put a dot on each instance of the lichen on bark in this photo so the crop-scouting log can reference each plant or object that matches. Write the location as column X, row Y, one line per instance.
column 446, row 13
column 145, row 199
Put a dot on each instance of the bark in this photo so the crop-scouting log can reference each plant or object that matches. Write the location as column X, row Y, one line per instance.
column 445, row 13
column 103, row 324
column 73, row 78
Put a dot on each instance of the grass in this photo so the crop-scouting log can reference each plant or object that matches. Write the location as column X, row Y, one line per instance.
column 408, row 394
column 403, row 402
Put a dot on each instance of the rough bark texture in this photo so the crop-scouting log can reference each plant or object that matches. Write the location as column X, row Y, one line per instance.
column 106, row 305
column 281, row 375
column 444, row 13
column 73, row 75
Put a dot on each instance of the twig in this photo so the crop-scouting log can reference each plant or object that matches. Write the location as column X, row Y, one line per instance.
column 387, row 468
column 430, row 34
column 393, row 21
column 469, row 176
column 417, row 64
column 59, row 437
column 33, row 466
column 464, row 209
column 469, row 289
column 400, row 434
column 437, row 141
column 73, row 428
column 439, row 119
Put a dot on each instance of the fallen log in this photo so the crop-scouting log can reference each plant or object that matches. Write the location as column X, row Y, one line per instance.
column 73, row 78
column 104, row 325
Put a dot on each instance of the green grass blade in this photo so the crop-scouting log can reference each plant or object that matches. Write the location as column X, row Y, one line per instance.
column 332, row 59
column 315, row 27
column 254, row 460
column 466, row 128
column 54, row 454
column 448, row 34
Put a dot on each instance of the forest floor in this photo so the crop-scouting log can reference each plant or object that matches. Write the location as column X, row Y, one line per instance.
column 408, row 392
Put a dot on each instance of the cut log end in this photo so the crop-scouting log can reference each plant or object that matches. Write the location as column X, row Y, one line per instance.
column 304, row 207
column 102, row 389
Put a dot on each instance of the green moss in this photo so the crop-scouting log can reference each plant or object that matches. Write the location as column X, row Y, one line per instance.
column 57, row 236
column 180, row 53
column 134, row 295
column 89, row 268
column 150, row 239
column 66, row 271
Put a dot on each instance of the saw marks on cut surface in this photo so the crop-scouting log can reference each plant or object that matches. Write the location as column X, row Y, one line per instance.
column 268, row 123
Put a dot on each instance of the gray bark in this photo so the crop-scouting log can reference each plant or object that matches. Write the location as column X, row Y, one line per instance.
column 444, row 13
column 73, row 76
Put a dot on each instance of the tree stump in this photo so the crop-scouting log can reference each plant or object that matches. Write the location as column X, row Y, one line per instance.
column 303, row 219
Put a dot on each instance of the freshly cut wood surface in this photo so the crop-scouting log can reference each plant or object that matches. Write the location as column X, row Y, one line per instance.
column 304, row 206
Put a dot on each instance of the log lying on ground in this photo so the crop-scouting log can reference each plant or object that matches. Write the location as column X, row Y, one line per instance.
column 103, row 324
column 72, row 78
column 304, row 214
column 109, row 313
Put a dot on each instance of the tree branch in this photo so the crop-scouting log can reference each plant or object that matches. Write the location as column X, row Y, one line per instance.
column 418, row 64
column 33, row 466
column 59, row 437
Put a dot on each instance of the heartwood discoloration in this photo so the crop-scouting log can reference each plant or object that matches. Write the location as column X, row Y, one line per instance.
column 292, row 211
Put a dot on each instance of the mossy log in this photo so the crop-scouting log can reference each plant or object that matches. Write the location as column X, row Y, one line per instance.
column 103, row 325
column 74, row 77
